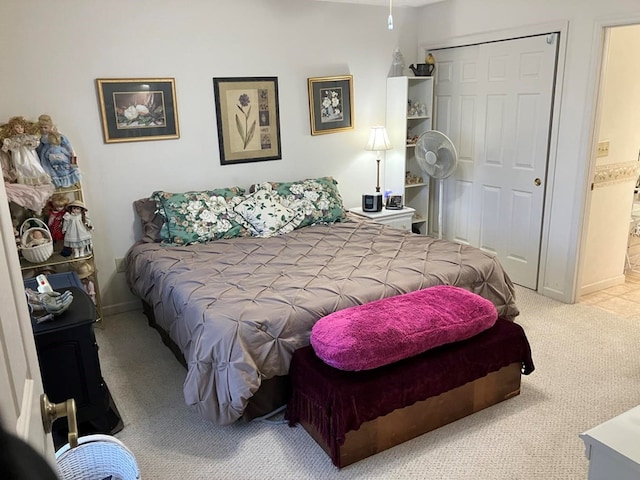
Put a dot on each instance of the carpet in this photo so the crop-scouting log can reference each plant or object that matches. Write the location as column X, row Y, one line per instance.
column 587, row 371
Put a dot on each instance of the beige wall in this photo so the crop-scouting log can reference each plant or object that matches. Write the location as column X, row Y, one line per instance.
column 53, row 52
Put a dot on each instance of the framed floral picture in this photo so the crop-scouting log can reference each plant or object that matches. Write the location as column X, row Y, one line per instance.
column 135, row 109
column 331, row 104
column 248, row 119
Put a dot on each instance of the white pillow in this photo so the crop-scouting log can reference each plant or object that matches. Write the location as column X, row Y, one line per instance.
column 264, row 216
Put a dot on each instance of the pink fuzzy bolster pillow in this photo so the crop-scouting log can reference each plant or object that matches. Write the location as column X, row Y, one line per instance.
column 385, row 331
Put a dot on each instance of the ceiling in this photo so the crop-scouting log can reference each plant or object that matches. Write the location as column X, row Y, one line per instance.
column 396, row 3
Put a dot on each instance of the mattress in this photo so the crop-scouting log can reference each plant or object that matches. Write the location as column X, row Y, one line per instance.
column 239, row 308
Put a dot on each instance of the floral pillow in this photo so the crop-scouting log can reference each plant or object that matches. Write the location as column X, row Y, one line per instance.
column 263, row 215
column 316, row 200
column 197, row 217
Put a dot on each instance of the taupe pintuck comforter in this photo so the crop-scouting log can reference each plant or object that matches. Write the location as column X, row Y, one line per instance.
column 239, row 308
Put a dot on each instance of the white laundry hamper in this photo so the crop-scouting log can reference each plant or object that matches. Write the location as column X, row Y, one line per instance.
column 97, row 457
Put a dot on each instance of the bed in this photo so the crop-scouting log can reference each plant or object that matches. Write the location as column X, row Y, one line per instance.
column 237, row 308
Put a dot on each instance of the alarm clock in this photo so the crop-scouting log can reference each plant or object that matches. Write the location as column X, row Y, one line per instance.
column 394, row 202
column 372, row 202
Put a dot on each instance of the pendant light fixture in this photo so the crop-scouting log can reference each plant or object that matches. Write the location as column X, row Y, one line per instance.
column 390, row 19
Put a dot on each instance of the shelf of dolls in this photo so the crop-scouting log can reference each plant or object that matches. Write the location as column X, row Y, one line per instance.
column 83, row 264
column 43, row 183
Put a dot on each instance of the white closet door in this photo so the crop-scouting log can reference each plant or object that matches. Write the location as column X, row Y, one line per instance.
column 494, row 100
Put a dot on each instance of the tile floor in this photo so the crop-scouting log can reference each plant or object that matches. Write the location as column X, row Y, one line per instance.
column 623, row 300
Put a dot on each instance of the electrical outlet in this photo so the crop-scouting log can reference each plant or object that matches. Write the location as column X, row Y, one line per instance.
column 603, row 149
column 121, row 265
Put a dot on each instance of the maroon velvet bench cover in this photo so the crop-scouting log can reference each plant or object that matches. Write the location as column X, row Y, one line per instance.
column 337, row 401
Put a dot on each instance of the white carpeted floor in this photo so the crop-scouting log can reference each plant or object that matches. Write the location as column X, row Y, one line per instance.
column 587, row 371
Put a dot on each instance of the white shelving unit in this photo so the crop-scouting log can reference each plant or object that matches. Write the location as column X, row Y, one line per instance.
column 409, row 114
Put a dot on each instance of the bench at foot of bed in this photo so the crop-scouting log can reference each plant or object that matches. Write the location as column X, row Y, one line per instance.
column 353, row 415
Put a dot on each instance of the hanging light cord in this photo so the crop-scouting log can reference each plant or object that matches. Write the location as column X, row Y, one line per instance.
column 390, row 19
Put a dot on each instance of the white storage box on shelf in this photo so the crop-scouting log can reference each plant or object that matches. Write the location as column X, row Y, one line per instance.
column 95, row 458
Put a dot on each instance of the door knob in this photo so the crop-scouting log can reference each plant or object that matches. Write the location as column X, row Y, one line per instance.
column 52, row 411
column 537, row 182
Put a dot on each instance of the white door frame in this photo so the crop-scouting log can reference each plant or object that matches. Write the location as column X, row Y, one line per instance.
column 594, row 105
column 562, row 28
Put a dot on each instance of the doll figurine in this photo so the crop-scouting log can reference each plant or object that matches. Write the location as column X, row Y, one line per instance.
column 57, row 209
column 36, row 238
column 56, row 154
column 85, row 273
column 22, row 146
column 77, row 227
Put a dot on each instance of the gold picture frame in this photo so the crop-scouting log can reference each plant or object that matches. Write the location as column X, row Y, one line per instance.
column 137, row 109
column 331, row 104
column 248, row 119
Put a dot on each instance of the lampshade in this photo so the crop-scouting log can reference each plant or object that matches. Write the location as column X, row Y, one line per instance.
column 378, row 140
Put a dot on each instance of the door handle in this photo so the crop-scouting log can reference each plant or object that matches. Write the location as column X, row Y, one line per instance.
column 537, row 182
column 52, row 411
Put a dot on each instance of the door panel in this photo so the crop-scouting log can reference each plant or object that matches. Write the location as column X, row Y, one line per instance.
column 494, row 101
column 20, row 382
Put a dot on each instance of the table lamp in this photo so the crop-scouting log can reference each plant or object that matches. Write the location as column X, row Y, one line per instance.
column 378, row 141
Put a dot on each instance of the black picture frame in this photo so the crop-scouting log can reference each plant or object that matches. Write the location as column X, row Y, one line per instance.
column 137, row 109
column 331, row 104
column 248, row 118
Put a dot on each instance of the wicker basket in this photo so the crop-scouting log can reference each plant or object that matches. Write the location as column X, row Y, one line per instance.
column 37, row 253
column 95, row 458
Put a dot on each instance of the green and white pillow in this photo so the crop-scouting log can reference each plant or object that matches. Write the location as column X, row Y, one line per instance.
column 316, row 200
column 263, row 215
column 198, row 216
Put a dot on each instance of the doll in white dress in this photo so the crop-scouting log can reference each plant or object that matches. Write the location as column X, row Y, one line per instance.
column 77, row 226
column 24, row 159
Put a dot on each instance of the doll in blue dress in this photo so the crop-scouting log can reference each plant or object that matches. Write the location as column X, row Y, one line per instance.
column 56, row 154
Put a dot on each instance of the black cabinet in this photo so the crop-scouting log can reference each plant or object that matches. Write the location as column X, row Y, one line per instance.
column 70, row 365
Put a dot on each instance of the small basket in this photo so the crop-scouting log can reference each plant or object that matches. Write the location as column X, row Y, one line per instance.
column 95, row 458
column 37, row 253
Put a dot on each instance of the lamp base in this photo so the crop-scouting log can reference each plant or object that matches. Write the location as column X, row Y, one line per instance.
column 372, row 202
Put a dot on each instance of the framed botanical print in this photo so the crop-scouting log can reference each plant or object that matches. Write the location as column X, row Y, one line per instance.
column 331, row 104
column 248, row 119
column 135, row 109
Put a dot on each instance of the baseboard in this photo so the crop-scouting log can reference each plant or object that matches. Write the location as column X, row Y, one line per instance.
column 121, row 308
column 602, row 284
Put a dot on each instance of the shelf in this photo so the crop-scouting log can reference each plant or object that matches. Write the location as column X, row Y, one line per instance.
column 409, row 113
column 71, row 189
column 55, row 259
column 57, row 263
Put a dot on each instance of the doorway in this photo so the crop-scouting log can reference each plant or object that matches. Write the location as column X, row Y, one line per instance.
column 617, row 135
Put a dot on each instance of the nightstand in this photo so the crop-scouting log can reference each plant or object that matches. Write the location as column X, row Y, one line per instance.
column 69, row 363
column 400, row 219
column 613, row 447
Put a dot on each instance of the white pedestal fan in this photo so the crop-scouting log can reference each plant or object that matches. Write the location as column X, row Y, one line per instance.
column 437, row 157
